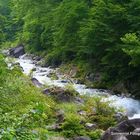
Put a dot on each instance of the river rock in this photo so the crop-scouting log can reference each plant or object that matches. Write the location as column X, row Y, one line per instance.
column 46, row 91
column 90, row 126
column 36, row 82
column 17, row 51
column 60, row 94
column 126, row 130
column 65, row 81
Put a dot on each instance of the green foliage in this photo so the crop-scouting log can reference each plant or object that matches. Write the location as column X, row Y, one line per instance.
column 69, row 107
column 95, row 110
column 72, row 127
column 24, row 111
column 103, row 34
column 96, row 35
column 132, row 48
column 95, row 135
column 100, row 112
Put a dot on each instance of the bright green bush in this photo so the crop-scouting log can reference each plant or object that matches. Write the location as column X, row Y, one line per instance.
column 95, row 135
column 72, row 127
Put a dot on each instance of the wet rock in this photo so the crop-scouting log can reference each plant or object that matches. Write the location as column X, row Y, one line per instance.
column 90, row 126
column 17, row 51
column 42, row 70
column 125, row 130
column 65, row 81
column 36, row 82
column 46, row 91
column 61, row 95
column 82, row 138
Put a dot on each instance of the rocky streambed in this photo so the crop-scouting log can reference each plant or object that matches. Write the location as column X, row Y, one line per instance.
column 43, row 76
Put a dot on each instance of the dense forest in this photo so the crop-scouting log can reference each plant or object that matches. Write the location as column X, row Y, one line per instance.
column 101, row 38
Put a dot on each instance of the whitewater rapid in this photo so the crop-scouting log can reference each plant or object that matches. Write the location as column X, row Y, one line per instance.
column 130, row 105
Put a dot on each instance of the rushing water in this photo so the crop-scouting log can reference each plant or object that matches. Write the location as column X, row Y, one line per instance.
column 131, row 105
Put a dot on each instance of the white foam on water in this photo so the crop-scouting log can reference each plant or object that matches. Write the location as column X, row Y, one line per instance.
column 131, row 106
column 135, row 116
column 27, row 65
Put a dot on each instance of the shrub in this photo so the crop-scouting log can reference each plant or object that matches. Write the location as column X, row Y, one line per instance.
column 72, row 127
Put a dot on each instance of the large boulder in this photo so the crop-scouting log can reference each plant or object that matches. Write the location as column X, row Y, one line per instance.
column 60, row 94
column 126, row 130
column 36, row 82
column 17, row 51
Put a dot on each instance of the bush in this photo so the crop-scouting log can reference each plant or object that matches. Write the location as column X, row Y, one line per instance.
column 72, row 127
column 95, row 135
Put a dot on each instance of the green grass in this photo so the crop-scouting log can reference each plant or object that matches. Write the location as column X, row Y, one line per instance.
column 23, row 108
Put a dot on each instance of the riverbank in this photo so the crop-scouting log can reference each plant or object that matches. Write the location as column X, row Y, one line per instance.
column 75, row 107
column 48, row 76
column 45, row 115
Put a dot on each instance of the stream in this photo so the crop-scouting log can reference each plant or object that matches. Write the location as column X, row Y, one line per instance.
column 131, row 106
